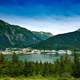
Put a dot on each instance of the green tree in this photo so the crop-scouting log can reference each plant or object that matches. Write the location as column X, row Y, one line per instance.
column 14, row 58
column 28, row 69
column 76, row 67
column 1, row 58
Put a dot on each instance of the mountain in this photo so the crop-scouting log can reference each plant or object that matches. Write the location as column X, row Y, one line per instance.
column 16, row 36
column 42, row 35
column 62, row 41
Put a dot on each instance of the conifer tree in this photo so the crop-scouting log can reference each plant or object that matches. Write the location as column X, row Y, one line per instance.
column 76, row 70
column 1, row 58
column 14, row 57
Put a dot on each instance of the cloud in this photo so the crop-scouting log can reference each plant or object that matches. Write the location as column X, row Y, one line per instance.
column 56, row 16
column 48, row 25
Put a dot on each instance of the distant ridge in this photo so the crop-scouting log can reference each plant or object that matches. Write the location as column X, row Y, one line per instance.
column 43, row 35
column 62, row 41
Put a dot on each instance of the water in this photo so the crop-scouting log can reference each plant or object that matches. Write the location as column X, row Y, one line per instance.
column 50, row 58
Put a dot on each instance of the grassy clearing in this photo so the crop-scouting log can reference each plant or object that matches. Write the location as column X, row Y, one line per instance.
column 36, row 78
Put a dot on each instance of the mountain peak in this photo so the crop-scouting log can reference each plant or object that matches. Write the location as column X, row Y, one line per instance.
column 78, row 30
column 3, row 22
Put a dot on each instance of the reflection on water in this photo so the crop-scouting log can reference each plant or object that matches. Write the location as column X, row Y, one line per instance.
column 50, row 58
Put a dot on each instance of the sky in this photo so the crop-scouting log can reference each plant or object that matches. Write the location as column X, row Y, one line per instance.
column 55, row 16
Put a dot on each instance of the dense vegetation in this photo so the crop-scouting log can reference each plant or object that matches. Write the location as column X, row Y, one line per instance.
column 64, row 67
column 38, row 77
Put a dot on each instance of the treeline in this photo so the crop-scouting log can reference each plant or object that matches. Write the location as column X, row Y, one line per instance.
column 65, row 66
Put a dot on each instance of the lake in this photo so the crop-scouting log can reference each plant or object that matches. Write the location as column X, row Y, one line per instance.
column 50, row 58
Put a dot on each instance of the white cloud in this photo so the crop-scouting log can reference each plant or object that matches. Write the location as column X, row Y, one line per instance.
column 48, row 24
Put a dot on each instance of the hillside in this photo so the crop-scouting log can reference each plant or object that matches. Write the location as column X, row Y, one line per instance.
column 15, row 36
column 62, row 41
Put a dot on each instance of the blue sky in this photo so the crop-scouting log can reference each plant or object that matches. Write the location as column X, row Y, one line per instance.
column 55, row 16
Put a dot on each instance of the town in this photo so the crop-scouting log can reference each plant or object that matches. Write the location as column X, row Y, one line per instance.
column 34, row 51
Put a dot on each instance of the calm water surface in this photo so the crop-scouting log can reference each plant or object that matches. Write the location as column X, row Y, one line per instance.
column 50, row 58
